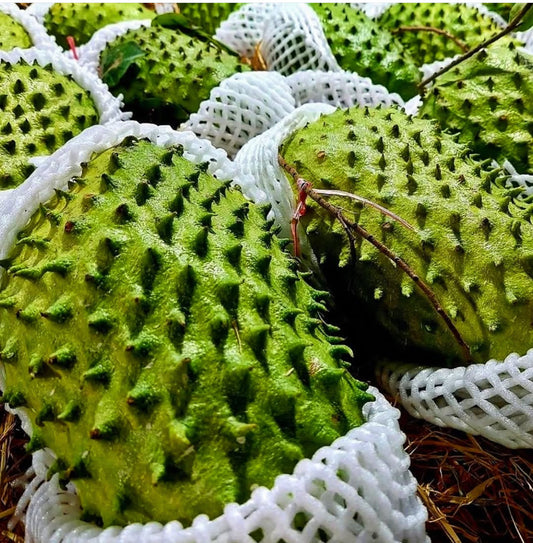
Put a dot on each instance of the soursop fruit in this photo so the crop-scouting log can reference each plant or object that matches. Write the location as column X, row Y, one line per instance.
column 12, row 34
column 488, row 101
column 465, row 22
column 207, row 16
column 40, row 110
column 363, row 46
column 82, row 20
column 472, row 242
column 164, row 74
column 163, row 342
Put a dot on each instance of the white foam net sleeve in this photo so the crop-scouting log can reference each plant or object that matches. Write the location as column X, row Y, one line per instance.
column 340, row 89
column 107, row 105
column 261, row 177
column 38, row 34
column 293, row 40
column 527, row 38
column 241, row 107
column 494, row 399
column 357, row 489
column 372, row 9
column 243, row 29
column 89, row 53
column 39, row 10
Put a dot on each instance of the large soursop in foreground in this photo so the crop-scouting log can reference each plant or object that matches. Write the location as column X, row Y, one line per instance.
column 40, row 110
column 163, row 342
column 488, row 101
column 82, row 20
column 361, row 45
column 168, row 72
column 472, row 242
column 12, row 33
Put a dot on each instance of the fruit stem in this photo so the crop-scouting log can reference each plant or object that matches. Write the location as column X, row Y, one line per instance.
column 350, row 228
column 507, row 30
column 455, row 39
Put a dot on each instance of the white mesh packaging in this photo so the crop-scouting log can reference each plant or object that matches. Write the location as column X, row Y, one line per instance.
column 357, row 489
column 293, row 40
column 33, row 27
column 372, row 9
column 241, row 107
column 340, row 89
column 494, row 399
column 243, row 29
column 89, row 53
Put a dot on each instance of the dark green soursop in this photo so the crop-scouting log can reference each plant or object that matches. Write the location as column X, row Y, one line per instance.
column 361, row 45
column 12, row 34
column 82, row 20
column 165, row 345
column 466, row 23
column 472, row 243
column 500, row 8
column 207, row 16
column 164, row 74
column 39, row 111
column 488, row 101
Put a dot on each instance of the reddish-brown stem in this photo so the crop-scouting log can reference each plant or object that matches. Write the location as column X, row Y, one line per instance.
column 455, row 39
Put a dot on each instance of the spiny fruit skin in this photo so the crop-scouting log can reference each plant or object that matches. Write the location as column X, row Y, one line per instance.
column 12, row 34
column 39, row 111
column 472, row 243
column 361, row 45
column 502, row 9
column 82, row 20
column 172, row 76
column 488, row 101
column 207, row 16
column 467, row 23
column 163, row 342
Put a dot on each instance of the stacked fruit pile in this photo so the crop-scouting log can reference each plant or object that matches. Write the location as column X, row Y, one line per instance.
column 165, row 338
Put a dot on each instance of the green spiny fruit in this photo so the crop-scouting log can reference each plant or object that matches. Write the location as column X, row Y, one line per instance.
column 466, row 23
column 12, row 33
column 361, row 45
column 164, row 74
column 165, row 345
column 488, row 101
column 39, row 111
column 207, row 16
column 82, row 20
column 472, row 244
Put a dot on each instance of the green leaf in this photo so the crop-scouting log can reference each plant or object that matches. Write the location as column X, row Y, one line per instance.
column 177, row 21
column 117, row 60
column 527, row 21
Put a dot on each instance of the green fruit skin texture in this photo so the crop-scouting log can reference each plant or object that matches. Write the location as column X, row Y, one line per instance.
column 502, row 9
column 207, row 16
column 488, row 101
column 472, row 244
column 39, row 111
column 12, row 34
column 363, row 46
column 82, row 20
column 464, row 22
column 164, row 343
column 175, row 74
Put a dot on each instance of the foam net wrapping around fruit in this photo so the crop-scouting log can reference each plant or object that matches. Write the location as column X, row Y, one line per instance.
column 290, row 37
column 39, row 37
column 89, row 53
column 340, row 89
column 494, row 399
column 246, row 105
column 357, row 489
column 241, row 107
